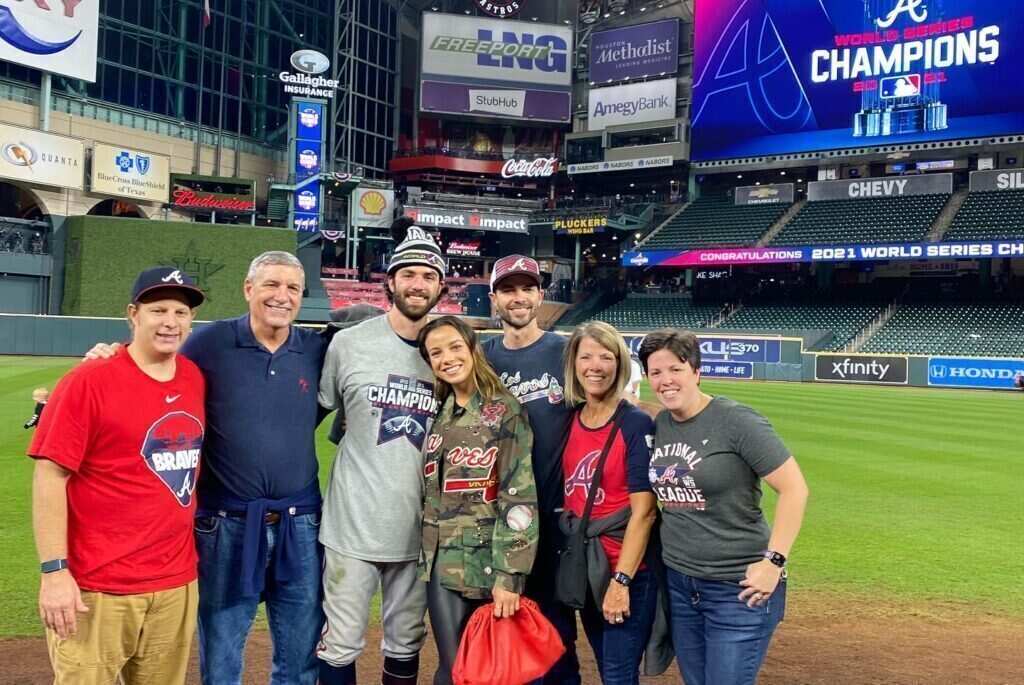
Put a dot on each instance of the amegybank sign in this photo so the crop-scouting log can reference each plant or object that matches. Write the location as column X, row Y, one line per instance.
column 58, row 36
column 632, row 104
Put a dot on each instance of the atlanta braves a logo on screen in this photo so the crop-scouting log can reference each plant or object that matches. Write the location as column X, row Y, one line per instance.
column 917, row 10
column 171, row 451
column 406, row 407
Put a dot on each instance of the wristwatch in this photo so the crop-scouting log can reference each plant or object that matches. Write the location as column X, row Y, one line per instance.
column 776, row 558
column 622, row 579
column 53, row 565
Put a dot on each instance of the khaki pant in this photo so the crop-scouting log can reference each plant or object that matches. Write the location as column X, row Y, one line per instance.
column 144, row 638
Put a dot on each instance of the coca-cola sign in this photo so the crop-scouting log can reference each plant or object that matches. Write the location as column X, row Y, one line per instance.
column 529, row 168
column 190, row 199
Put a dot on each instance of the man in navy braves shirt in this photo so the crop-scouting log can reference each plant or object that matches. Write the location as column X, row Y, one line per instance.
column 117, row 455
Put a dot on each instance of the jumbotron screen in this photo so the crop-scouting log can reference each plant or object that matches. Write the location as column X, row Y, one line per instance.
column 785, row 76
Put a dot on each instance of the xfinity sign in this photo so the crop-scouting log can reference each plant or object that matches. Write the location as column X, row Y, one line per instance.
column 632, row 104
column 860, row 368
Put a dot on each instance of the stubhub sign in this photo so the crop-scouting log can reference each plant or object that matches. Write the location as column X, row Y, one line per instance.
column 631, row 104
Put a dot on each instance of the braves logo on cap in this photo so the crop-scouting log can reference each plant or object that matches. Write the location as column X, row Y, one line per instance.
column 173, row 276
column 171, row 451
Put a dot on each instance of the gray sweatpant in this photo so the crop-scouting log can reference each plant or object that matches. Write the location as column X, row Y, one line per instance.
column 349, row 587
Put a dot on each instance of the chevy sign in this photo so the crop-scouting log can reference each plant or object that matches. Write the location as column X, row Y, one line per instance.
column 632, row 104
column 974, row 372
column 58, row 36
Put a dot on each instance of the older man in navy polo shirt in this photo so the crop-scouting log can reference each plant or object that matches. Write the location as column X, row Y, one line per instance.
column 259, row 497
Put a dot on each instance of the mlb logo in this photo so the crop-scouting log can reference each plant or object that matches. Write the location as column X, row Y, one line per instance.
column 124, row 162
column 901, row 86
column 309, row 118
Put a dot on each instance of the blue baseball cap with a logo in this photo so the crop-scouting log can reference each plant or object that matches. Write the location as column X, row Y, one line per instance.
column 164, row 277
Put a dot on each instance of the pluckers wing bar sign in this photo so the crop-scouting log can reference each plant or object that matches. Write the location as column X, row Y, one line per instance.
column 584, row 224
column 205, row 194
column 500, row 8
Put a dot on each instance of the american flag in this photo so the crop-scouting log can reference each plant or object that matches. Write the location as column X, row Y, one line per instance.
column 206, row 13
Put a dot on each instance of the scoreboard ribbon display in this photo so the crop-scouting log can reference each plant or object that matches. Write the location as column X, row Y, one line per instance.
column 785, row 76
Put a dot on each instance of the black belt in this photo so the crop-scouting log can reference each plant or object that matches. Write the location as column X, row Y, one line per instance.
column 270, row 518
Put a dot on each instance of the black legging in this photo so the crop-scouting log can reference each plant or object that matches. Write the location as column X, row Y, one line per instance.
column 449, row 612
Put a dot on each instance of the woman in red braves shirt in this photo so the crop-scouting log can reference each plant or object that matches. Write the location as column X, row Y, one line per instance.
column 620, row 607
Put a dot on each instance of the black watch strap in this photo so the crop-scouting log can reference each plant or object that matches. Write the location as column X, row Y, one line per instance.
column 776, row 558
column 622, row 579
column 53, row 565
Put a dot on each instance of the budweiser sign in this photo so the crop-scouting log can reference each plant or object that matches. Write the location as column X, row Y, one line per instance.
column 190, row 199
column 535, row 168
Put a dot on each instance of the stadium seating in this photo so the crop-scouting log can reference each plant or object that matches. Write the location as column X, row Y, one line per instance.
column 960, row 330
column 715, row 221
column 845, row 321
column 989, row 216
column 637, row 313
column 875, row 220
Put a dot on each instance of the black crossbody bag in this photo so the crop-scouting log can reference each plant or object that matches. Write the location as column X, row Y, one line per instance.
column 571, row 580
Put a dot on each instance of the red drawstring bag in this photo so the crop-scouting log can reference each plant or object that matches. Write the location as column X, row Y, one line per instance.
column 506, row 651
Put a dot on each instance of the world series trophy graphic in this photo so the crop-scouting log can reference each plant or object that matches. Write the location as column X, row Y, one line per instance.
column 903, row 103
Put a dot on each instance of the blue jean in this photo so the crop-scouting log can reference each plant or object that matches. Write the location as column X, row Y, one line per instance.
column 619, row 647
column 718, row 639
column 225, row 616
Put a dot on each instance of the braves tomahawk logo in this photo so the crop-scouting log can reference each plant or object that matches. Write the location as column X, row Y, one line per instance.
column 171, row 451
column 406, row 407
column 530, row 389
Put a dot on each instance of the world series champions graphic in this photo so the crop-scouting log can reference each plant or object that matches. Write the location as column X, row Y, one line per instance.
column 785, row 76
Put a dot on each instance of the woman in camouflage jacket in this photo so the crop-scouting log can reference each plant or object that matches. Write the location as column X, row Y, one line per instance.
column 480, row 502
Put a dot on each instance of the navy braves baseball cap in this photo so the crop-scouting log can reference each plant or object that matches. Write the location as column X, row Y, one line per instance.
column 512, row 265
column 163, row 277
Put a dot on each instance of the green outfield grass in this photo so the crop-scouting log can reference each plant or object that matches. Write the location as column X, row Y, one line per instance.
column 916, row 494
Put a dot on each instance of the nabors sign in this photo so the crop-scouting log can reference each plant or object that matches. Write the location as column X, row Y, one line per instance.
column 536, row 168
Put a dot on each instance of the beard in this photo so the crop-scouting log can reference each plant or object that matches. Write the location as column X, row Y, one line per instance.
column 411, row 311
column 506, row 318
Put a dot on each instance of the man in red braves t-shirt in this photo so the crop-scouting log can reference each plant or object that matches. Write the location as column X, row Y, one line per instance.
column 117, row 454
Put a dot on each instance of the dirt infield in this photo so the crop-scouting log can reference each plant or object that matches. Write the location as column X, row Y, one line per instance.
column 824, row 640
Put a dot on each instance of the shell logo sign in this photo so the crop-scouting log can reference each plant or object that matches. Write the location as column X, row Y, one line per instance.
column 373, row 203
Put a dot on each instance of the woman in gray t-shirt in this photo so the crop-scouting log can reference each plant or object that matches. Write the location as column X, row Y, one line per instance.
column 725, row 565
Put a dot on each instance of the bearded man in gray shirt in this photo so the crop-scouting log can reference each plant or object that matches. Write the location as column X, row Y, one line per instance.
column 374, row 376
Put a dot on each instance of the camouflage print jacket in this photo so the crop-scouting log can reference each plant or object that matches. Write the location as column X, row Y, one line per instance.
column 480, row 523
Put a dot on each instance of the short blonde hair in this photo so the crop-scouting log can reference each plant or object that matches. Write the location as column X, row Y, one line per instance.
column 607, row 337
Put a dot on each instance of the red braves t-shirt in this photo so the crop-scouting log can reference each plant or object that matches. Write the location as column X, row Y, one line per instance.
column 625, row 469
column 132, row 444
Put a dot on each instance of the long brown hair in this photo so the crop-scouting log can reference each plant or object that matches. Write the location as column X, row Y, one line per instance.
column 485, row 379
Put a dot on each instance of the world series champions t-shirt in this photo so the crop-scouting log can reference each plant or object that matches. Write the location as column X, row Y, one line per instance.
column 132, row 444
column 706, row 473
column 385, row 391
column 534, row 376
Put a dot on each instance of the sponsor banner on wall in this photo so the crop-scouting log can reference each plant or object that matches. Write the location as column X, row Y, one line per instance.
column 736, row 370
column 826, row 253
column 1000, row 179
column 788, row 76
column 733, row 350
column 206, row 194
column 130, row 173
column 43, row 158
column 373, row 208
column 974, row 372
column 861, row 368
column 633, row 103
column 58, row 36
column 620, row 165
column 464, row 248
column 580, row 224
column 896, row 186
column 635, row 51
column 774, row 194
column 534, row 104
column 474, row 221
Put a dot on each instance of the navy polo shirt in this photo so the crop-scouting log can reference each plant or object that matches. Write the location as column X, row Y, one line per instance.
column 261, row 410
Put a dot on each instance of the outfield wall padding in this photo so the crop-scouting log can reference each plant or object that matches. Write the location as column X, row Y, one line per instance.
column 103, row 255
